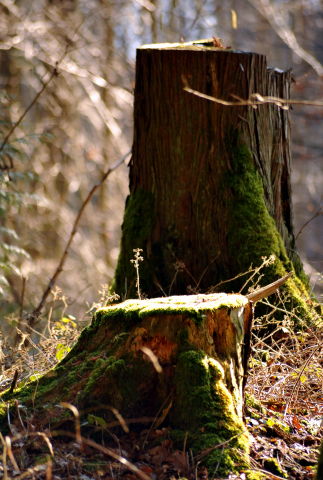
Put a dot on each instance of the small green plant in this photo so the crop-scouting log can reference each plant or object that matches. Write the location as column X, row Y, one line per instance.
column 136, row 261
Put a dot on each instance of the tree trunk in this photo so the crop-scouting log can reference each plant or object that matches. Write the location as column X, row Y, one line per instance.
column 209, row 184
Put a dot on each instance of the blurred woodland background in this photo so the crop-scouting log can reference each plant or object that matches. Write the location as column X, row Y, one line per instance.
column 82, row 123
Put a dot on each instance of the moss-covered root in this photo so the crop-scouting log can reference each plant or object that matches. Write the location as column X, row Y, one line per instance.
column 204, row 409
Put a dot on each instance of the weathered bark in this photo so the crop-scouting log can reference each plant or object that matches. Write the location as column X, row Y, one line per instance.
column 209, row 184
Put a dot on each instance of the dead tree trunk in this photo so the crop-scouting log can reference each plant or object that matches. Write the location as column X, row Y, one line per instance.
column 209, row 184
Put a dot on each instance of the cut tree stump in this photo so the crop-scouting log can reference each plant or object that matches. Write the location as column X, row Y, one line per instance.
column 176, row 362
column 201, row 343
column 210, row 193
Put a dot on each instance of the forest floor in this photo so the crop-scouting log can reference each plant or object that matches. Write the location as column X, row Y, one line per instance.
column 283, row 413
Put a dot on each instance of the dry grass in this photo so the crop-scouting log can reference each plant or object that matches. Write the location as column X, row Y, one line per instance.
column 286, row 364
column 285, row 384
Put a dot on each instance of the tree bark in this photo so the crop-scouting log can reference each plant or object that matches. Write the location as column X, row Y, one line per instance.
column 210, row 186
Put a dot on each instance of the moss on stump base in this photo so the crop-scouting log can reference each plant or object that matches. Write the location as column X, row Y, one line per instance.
column 201, row 343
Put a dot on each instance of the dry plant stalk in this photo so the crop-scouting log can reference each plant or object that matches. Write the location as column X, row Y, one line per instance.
column 135, row 262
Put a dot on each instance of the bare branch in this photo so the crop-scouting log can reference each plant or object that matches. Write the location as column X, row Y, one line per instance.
column 45, row 85
column 59, row 269
column 319, row 211
column 255, row 99
column 276, row 20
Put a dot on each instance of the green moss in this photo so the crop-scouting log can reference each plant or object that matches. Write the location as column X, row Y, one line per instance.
column 183, row 341
column 129, row 381
column 201, row 403
column 252, row 402
column 252, row 233
column 252, row 475
column 99, row 370
column 272, row 465
column 132, row 311
column 204, row 408
column 118, row 382
column 138, row 223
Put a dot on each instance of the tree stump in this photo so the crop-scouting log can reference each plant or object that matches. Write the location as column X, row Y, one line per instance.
column 202, row 346
column 209, row 184
column 210, row 192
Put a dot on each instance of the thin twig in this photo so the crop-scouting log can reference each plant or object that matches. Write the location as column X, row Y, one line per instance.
column 21, row 307
column 55, row 73
column 280, row 26
column 156, row 418
column 218, row 464
column 212, row 289
column 107, row 451
column 316, row 214
column 59, row 269
column 22, row 298
column 268, row 289
column 205, row 270
column 135, row 262
column 27, row 337
column 14, row 382
column 219, row 445
column 45, row 85
column 77, row 420
column 4, row 458
column 255, row 99
column 11, row 455
column 179, row 267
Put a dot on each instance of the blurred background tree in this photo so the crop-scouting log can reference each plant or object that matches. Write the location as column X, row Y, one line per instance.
column 82, row 124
